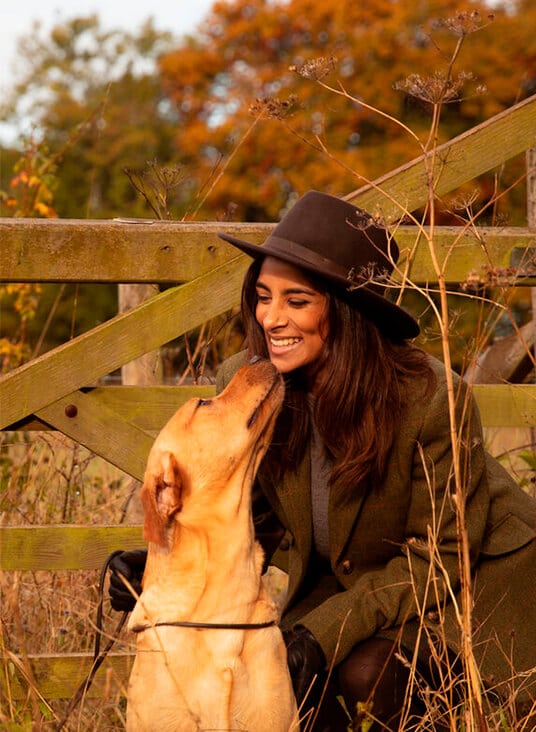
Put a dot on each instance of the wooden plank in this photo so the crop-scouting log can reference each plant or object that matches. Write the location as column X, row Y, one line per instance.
column 462, row 159
column 54, row 548
column 506, row 405
column 509, row 405
column 83, row 360
column 58, row 676
column 109, row 432
column 461, row 250
column 86, row 250
column 146, row 407
column 149, row 408
column 102, row 430
column 35, row 250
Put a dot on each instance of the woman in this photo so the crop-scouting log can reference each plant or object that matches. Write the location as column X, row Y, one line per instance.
column 357, row 492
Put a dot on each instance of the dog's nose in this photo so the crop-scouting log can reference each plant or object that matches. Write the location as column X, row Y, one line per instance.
column 254, row 359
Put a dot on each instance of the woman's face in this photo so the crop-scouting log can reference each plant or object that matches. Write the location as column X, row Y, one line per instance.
column 292, row 314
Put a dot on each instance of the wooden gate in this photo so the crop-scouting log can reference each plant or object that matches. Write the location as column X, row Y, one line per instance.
column 118, row 423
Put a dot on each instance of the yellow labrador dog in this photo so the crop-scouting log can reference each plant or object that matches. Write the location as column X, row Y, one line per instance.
column 210, row 655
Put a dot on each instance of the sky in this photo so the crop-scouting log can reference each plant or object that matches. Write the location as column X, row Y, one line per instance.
column 17, row 16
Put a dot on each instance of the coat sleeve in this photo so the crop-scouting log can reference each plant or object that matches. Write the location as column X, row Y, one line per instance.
column 425, row 571
column 228, row 369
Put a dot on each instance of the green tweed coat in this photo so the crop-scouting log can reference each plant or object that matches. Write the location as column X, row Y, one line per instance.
column 394, row 547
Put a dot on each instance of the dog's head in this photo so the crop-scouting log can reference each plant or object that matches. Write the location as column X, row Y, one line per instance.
column 209, row 451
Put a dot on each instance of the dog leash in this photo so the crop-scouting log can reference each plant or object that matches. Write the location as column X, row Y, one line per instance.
column 208, row 626
column 98, row 657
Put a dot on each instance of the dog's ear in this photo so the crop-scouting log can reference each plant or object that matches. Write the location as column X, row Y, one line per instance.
column 161, row 498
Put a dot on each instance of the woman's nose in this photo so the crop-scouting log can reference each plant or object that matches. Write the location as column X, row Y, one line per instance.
column 273, row 316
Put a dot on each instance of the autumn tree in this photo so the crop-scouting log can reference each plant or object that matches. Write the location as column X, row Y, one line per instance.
column 241, row 106
column 228, row 105
column 99, row 90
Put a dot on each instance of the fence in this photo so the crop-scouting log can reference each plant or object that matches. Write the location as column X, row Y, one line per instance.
column 118, row 423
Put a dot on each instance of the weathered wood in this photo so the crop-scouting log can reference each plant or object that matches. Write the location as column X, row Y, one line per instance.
column 148, row 408
column 71, row 250
column 507, row 252
column 119, row 423
column 506, row 405
column 109, row 432
column 59, row 676
column 462, row 159
column 102, row 430
column 147, row 370
column 63, row 547
column 507, row 359
column 155, row 251
column 460, row 250
column 81, row 361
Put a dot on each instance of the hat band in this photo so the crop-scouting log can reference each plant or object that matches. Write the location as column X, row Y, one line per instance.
column 286, row 246
column 325, row 267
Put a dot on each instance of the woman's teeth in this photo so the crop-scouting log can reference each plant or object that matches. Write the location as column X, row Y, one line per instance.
column 284, row 341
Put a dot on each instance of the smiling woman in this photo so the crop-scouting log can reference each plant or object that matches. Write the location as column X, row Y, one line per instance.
column 368, row 497
column 359, row 478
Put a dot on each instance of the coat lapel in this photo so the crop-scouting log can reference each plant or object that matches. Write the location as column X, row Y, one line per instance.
column 295, row 497
column 344, row 508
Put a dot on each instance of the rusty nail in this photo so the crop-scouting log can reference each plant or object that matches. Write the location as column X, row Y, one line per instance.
column 71, row 410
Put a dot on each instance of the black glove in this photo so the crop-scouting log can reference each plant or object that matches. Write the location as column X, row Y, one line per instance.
column 131, row 565
column 305, row 659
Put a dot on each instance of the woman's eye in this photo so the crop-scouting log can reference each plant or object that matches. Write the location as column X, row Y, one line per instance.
column 298, row 303
column 263, row 299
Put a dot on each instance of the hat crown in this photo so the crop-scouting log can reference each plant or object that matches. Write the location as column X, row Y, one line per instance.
column 345, row 237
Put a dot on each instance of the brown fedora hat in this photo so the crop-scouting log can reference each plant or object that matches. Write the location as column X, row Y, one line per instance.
column 330, row 237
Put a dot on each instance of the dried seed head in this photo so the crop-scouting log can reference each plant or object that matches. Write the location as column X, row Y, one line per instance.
column 437, row 88
column 315, row 69
column 272, row 107
column 464, row 23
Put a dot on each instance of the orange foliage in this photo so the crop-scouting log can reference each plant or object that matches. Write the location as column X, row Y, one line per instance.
column 32, row 195
column 242, row 109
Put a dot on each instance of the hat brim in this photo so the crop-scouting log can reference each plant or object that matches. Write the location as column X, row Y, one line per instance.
column 391, row 318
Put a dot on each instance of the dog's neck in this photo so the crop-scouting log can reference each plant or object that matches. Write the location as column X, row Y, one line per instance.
column 203, row 569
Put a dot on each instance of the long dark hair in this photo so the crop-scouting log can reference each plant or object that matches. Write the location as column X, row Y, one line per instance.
column 359, row 402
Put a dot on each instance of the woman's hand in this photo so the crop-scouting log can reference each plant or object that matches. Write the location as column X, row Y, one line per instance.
column 305, row 659
column 131, row 566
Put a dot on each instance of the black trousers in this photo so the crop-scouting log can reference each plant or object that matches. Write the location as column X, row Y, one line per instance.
column 371, row 680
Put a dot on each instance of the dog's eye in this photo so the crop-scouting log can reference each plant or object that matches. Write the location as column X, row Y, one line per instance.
column 204, row 402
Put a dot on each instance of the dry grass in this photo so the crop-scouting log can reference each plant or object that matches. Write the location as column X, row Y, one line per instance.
column 47, row 479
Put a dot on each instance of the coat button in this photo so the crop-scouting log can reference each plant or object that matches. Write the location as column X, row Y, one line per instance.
column 347, row 567
column 285, row 544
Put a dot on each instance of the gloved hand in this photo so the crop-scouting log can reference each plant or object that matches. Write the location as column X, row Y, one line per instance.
column 305, row 659
column 131, row 565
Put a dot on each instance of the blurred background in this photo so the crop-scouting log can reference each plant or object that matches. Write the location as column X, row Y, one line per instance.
column 201, row 111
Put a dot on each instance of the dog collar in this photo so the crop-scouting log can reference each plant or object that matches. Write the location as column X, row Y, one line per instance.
column 209, row 626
